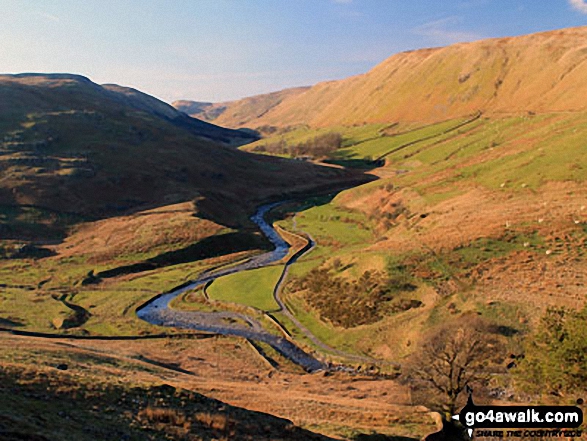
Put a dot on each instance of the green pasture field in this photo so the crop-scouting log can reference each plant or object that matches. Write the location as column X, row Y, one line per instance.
column 251, row 288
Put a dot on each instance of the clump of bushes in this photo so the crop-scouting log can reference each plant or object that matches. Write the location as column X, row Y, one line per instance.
column 555, row 356
column 317, row 147
column 350, row 303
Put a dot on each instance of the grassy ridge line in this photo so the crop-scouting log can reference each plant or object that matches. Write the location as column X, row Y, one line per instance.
column 519, row 74
column 257, row 350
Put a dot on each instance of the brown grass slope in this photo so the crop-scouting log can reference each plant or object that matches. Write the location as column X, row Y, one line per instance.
column 46, row 404
column 68, row 145
column 542, row 72
column 186, row 389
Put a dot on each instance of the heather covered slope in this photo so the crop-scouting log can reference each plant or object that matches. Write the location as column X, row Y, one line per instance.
column 71, row 149
column 545, row 72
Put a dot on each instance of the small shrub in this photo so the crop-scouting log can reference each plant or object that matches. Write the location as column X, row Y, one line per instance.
column 216, row 421
column 160, row 415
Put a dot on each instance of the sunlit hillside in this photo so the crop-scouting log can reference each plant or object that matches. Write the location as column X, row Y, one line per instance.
column 535, row 73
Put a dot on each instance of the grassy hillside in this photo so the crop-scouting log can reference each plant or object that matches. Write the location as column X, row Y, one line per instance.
column 535, row 73
column 72, row 150
column 28, row 95
column 471, row 215
column 70, row 394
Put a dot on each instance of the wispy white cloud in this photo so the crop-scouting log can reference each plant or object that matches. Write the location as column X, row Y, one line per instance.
column 444, row 31
column 579, row 5
column 46, row 16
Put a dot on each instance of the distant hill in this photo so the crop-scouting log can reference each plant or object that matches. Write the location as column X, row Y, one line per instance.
column 70, row 148
column 200, row 110
column 237, row 114
column 23, row 92
column 542, row 72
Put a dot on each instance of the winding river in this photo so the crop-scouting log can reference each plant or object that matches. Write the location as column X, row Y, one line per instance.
column 158, row 312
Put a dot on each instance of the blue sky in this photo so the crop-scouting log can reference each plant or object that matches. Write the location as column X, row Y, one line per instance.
column 213, row 50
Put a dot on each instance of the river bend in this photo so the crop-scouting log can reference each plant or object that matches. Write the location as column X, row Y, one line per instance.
column 158, row 312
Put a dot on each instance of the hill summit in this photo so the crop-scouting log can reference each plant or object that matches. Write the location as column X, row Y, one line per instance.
column 544, row 72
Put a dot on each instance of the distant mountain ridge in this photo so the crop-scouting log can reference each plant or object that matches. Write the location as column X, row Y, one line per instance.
column 544, row 72
column 238, row 113
column 202, row 110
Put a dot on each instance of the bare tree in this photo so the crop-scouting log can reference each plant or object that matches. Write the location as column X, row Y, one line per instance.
column 455, row 357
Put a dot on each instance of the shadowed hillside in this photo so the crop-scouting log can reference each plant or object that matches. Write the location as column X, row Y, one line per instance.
column 71, row 149
column 52, row 405
column 25, row 93
column 535, row 73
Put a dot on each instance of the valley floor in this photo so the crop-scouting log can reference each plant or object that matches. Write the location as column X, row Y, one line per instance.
column 480, row 216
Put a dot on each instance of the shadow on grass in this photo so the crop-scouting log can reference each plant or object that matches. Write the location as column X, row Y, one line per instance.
column 135, row 410
column 506, row 331
column 171, row 366
column 29, row 222
column 214, row 246
column 359, row 163
column 350, row 159
column 10, row 323
column 296, row 206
